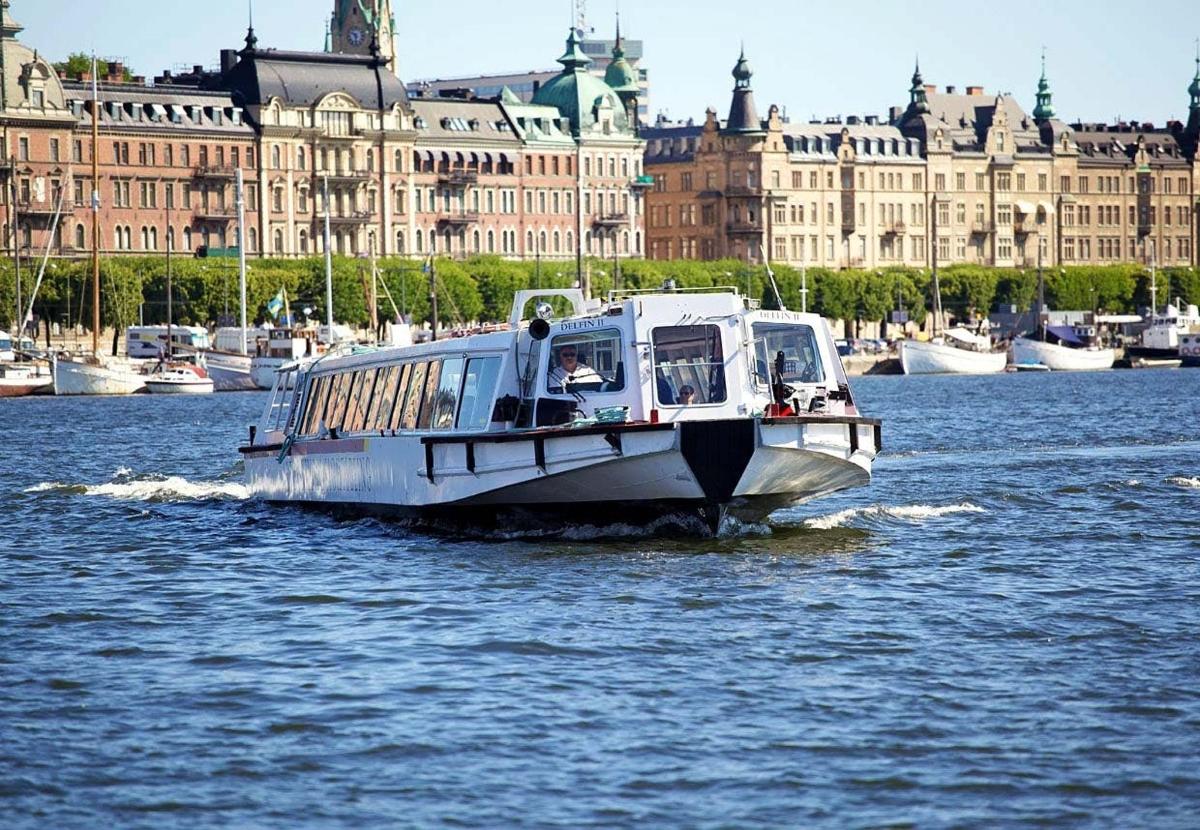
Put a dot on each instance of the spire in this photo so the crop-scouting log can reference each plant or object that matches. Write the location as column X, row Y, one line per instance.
column 618, row 51
column 328, row 37
column 251, row 38
column 1044, row 110
column 9, row 28
column 573, row 59
column 1194, row 89
column 917, row 102
column 743, row 117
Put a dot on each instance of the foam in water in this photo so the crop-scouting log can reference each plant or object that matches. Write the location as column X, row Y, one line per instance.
column 909, row 513
column 1184, row 481
column 127, row 486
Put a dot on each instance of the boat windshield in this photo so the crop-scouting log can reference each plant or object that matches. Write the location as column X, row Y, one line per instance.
column 796, row 343
column 689, row 365
column 586, row 362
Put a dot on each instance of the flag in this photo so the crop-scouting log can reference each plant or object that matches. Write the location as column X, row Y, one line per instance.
column 275, row 304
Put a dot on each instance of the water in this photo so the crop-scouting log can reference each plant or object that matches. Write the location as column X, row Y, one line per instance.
column 1000, row 631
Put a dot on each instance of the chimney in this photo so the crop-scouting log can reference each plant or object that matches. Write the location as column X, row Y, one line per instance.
column 894, row 114
column 228, row 60
column 974, row 90
column 851, row 119
column 931, row 89
column 950, row 90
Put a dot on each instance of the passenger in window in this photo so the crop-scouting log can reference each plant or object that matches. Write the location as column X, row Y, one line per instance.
column 687, row 395
column 571, row 373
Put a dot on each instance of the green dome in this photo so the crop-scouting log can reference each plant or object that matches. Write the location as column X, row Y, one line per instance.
column 577, row 94
column 620, row 76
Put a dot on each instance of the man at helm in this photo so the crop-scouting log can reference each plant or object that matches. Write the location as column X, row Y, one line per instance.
column 570, row 373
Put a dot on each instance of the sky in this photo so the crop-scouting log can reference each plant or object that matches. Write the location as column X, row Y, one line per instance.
column 1105, row 62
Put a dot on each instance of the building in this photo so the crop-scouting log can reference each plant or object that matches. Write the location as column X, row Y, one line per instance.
column 358, row 26
column 524, row 85
column 556, row 177
column 955, row 177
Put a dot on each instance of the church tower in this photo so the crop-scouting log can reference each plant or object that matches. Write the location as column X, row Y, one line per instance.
column 357, row 25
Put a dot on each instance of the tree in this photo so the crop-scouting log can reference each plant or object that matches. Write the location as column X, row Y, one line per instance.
column 78, row 63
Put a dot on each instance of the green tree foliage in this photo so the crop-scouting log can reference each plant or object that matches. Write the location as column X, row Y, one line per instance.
column 77, row 63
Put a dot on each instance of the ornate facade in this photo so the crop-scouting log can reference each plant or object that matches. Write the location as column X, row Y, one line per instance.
column 957, row 177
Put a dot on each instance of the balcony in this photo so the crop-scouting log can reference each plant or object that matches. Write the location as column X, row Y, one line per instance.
column 215, row 214
column 743, row 228
column 983, row 227
column 458, row 219
column 219, row 171
column 354, row 217
column 43, row 210
column 894, row 229
column 458, row 178
column 610, row 220
column 740, row 191
column 346, row 176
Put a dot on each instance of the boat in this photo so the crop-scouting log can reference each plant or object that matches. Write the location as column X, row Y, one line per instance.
column 179, row 379
column 20, row 379
column 959, row 352
column 1063, row 349
column 282, row 347
column 1029, row 366
column 1155, row 362
column 1161, row 338
column 150, row 342
column 651, row 405
column 88, row 375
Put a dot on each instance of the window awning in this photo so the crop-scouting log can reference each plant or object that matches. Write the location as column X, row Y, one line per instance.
column 1025, row 208
column 1047, row 207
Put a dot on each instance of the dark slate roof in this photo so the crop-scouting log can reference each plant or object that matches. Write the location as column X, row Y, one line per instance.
column 673, row 143
column 1120, row 141
column 965, row 119
column 157, row 108
column 303, row 78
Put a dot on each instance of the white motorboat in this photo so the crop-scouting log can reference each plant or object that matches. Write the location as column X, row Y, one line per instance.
column 97, row 376
column 1161, row 339
column 20, row 379
column 652, row 404
column 958, row 353
column 179, row 380
column 1059, row 357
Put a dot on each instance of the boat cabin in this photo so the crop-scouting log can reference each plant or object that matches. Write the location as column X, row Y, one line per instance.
column 652, row 357
column 149, row 342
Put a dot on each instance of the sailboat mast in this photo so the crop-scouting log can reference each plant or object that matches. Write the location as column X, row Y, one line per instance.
column 1041, row 295
column 937, row 289
column 241, row 220
column 170, row 306
column 328, row 265
column 95, row 211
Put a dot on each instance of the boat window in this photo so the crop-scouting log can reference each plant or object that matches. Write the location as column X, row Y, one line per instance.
column 385, row 395
column 335, row 413
column 360, row 398
column 689, row 365
column 432, row 376
column 317, row 397
column 406, row 372
column 479, row 389
column 586, row 362
column 446, row 400
column 412, row 401
column 797, row 346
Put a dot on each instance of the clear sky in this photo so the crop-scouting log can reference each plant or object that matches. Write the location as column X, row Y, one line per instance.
column 1105, row 59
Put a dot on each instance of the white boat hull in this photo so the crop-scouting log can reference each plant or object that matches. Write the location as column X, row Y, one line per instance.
column 921, row 358
column 1061, row 358
column 229, row 372
column 199, row 386
column 263, row 369
column 745, row 469
column 108, row 378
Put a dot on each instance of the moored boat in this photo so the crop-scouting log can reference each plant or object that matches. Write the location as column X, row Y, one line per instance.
column 959, row 353
column 20, row 379
column 282, row 347
column 648, row 405
column 1069, row 354
column 96, row 376
column 179, row 380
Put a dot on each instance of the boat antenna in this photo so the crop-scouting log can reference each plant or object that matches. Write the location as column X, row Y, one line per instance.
column 771, row 277
column 241, row 239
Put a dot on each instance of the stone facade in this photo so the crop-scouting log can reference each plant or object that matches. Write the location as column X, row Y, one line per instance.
column 553, row 179
column 953, row 178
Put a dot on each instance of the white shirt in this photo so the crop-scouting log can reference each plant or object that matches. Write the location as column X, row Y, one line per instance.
column 583, row 375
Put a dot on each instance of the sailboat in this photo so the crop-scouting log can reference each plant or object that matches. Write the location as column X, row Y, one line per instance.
column 93, row 374
column 170, row 376
column 957, row 351
column 1060, row 348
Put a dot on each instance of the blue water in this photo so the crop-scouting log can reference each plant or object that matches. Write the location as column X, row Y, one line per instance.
column 1001, row 631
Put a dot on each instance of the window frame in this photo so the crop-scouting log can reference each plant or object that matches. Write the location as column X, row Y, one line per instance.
column 654, row 369
column 619, row 353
